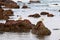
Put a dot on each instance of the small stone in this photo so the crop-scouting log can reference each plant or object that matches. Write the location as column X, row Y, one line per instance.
column 50, row 15
column 34, row 15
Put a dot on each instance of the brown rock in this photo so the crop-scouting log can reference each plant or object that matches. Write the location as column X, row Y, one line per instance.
column 50, row 15
column 44, row 13
column 40, row 29
column 4, row 17
column 25, row 6
column 9, row 4
column 1, row 28
column 8, row 12
column 11, row 26
column 34, row 1
column 25, row 25
column 1, row 10
column 34, row 15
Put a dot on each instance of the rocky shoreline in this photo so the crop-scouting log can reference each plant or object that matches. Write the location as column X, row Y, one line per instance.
column 20, row 25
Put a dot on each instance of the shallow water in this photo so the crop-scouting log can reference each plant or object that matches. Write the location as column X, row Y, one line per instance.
column 50, row 22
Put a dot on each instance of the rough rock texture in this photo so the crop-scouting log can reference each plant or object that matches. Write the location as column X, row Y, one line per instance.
column 16, row 26
column 9, row 4
column 50, row 15
column 8, row 12
column 44, row 13
column 4, row 14
column 1, row 10
column 2, row 17
column 59, row 10
column 40, row 29
column 10, row 26
column 34, row 15
column 25, row 25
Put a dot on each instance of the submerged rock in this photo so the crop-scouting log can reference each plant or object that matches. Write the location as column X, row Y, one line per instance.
column 44, row 13
column 25, row 6
column 50, row 15
column 1, row 28
column 34, row 15
column 40, row 29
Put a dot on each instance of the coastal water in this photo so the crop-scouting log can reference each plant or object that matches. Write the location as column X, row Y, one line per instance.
column 50, row 22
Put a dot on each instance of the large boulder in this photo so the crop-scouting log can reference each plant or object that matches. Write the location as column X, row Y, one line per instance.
column 34, row 15
column 25, row 25
column 40, row 29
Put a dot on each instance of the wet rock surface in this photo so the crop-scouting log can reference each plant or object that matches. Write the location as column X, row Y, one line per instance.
column 34, row 15
column 40, row 29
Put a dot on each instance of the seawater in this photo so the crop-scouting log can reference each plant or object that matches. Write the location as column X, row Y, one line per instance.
column 50, row 22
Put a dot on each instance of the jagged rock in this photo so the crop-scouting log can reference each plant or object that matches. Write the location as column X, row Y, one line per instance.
column 34, row 15
column 8, row 12
column 40, row 29
column 50, row 15
column 44, row 13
